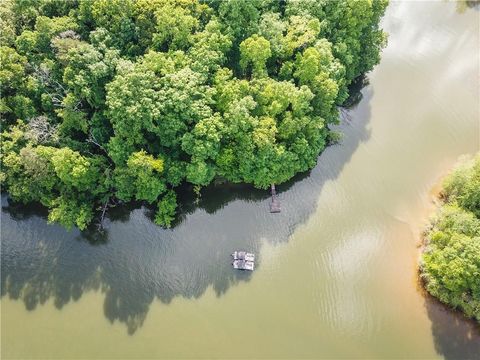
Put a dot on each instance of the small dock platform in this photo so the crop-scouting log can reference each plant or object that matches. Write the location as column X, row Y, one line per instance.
column 275, row 203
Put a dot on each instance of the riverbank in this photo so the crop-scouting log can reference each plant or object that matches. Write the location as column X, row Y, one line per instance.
column 450, row 262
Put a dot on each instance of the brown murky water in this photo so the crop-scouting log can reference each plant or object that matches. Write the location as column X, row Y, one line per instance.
column 337, row 268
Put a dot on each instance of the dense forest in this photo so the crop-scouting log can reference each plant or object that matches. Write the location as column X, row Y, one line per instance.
column 451, row 260
column 109, row 101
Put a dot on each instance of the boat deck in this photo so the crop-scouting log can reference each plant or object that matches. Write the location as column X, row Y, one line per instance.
column 243, row 265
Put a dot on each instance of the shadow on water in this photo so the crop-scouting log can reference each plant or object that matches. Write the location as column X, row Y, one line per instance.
column 135, row 262
column 455, row 337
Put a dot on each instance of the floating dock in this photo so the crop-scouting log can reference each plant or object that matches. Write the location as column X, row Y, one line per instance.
column 275, row 204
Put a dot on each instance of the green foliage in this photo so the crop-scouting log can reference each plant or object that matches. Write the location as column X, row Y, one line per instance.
column 239, row 17
column 141, row 178
column 352, row 27
column 70, row 211
column 451, row 261
column 61, row 179
column 334, row 137
column 13, row 69
column 166, row 209
column 127, row 99
column 74, row 170
column 13, row 87
column 463, row 186
column 7, row 23
column 255, row 51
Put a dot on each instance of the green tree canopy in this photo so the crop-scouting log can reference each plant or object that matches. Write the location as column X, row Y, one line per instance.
column 126, row 99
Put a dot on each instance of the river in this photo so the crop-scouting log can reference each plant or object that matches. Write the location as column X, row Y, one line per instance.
column 337, row 269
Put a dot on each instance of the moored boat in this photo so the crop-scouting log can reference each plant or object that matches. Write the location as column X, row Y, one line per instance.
column 243, row 265
column 243, row 255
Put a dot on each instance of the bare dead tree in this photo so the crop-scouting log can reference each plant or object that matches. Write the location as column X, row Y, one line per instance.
column 91, row 139
column 69, row 34
column 345, row 115
column 54, row 89
column 41, row 131
column 102, row 217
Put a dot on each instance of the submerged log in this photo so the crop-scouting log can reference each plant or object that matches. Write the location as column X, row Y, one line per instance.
column 100, row 225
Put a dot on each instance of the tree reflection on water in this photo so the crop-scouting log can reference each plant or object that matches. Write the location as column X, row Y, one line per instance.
column 133, row 261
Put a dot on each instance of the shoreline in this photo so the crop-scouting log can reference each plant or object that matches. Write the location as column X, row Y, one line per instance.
column 434, row 204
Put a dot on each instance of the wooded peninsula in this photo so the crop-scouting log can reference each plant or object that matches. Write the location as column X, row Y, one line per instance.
column 109, row 101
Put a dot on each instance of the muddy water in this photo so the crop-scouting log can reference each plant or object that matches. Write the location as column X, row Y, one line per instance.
column 337, row 268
